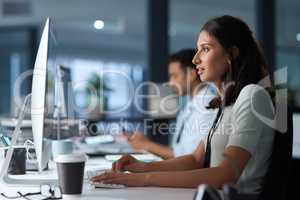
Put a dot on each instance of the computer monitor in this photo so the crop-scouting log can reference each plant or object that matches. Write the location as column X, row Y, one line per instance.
column 39, row 112
column 41, row 100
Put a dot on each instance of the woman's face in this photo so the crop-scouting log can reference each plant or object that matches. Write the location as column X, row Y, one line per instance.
column 211, row 59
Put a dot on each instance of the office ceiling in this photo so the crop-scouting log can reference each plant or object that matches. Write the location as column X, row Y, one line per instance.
column 126, row 20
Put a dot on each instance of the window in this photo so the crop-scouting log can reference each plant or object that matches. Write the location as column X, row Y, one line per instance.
column 117, row 83
column 288, row 45
column 187, row 17
column 15, row 50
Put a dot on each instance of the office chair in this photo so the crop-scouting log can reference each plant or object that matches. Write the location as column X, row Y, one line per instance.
column 276, row 180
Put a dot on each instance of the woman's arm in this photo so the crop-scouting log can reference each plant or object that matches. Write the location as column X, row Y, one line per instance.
column 188, row 162
column 228, row 171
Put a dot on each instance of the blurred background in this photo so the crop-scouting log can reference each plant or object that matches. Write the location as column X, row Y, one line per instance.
column 130, row 40
column 133, row 37
column 117, row 45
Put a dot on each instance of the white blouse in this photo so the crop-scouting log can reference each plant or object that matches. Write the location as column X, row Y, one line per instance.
column 243, row 125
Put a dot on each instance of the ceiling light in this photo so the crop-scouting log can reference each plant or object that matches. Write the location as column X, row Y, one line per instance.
column 99, row 24
column 298, row 37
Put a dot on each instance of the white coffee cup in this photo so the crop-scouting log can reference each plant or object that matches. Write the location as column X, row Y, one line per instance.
column 70, row 169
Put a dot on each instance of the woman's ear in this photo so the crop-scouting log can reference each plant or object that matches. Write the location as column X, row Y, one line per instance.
column 233, row 53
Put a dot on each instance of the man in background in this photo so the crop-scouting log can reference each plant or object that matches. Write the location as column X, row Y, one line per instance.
column 194, row 120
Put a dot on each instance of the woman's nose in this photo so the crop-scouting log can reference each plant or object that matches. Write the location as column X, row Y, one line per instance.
column 196, row 59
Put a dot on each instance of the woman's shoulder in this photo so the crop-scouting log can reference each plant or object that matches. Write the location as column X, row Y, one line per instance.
column 254, row 96
column 251, row 88
column 253, row 92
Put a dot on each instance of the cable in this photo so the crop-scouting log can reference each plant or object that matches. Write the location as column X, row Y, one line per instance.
column 28, row 144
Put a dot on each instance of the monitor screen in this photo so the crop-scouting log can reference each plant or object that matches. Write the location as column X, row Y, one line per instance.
column 51, row 78
column 64, row 91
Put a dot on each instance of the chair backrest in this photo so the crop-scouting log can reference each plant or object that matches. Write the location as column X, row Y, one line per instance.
column 276, row 180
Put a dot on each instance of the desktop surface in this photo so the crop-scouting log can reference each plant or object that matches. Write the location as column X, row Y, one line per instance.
column 89, row 192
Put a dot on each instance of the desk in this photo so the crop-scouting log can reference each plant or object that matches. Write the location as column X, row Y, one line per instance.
column 89, row 193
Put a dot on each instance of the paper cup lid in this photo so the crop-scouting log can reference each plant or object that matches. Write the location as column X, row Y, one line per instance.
column 71, row 158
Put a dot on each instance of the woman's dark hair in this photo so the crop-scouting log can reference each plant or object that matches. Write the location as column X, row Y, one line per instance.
column 248, row 66
column 184, row 57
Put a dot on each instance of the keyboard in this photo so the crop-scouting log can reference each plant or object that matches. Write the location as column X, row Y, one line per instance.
column 91, row 174
column 111, row 186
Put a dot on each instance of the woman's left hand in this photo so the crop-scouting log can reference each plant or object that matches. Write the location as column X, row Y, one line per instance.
column 127, row 179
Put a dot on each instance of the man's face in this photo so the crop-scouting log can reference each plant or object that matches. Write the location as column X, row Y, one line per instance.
column 178, row 78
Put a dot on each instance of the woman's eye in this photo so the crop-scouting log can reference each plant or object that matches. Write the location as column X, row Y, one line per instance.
column 205, row 49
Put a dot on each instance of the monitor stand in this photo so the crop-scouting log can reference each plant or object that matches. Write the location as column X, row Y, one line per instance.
column 9, row 180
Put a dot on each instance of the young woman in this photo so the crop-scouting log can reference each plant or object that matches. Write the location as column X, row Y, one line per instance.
column 238, row 147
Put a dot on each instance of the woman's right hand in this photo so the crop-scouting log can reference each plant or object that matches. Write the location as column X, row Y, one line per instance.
column 128, row 163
